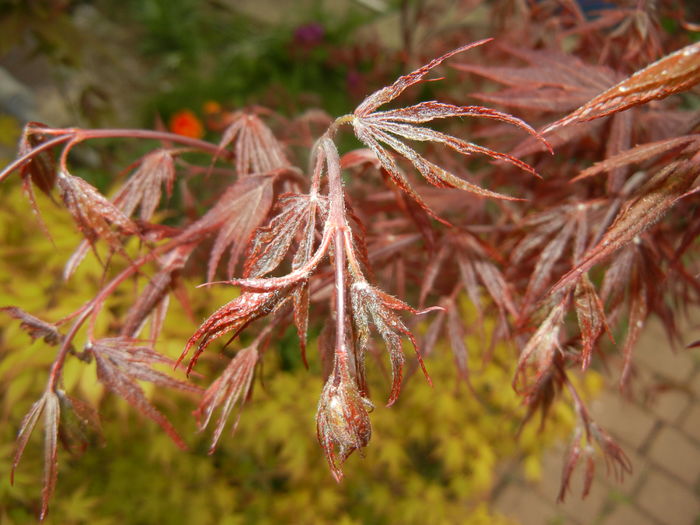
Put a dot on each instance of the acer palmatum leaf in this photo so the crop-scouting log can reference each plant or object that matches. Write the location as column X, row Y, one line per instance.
column 245, row 210
column 79, row 424
column 591, row 317
column 615, row 458
column 431, row 110
column 553, row 81
column 122, row 361
column 476, row 261
column 392, row 169
column 674, row 73
column 297, row 275
column 39, row 170
column 456, row 335
column 155, row 295
column 539, row 353
column 143, row 190
column 541, row 275
column 431, row 273
column 232, row 386
column 436, row 175
column 641, row 153
column 577, row 453
column 35, row 327
column 296, row 220
column 573, row 455
column 75, row 259
column 232, row 317
column 374, row 128
column 272, row 242
column 255, row 147
column 389, row 93
column 342, row 421
column 638, row 312
column 300, row 296
column 588, row 437
column 48, row 405
column 94, row 215
column 641, row 211
column 371, row 305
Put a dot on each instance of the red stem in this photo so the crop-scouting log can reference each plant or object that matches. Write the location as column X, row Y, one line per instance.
column 77, row 135
column 163, row 136
column 88, row 308
column 341, row 350
column 339, row 227
column 17, row 163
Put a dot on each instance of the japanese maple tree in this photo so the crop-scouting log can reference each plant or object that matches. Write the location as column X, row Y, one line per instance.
column 594, row 233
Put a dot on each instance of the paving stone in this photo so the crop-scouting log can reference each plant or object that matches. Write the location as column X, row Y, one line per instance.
column 664, row 398
column 655, row 352
column 695, row 384
column 667, row 500
column 525, row 506
column 674, row 452
column 622, row 419
column 669, row 405
column 691, row 423
column 627, row 514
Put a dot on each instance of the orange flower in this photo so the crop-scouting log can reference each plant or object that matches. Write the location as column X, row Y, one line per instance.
column 186, row 123
column 211, row 107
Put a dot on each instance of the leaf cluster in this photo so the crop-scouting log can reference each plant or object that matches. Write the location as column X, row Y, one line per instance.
column 345, row 246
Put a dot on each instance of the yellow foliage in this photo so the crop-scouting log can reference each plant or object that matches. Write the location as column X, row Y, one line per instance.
column 431, row 459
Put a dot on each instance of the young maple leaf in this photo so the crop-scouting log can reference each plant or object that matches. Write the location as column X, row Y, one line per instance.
column 34, row 326
column 255, row 147
column 342, row 421
column 234, row 218
column 556, row 231
column 389, row 127
column 674, row 73
column 122, row 361
column 64, row 417
column 93, row 213
column 477, row 267
column 296, row 220
column 477, row 263
column 586, row 438
column 540, row 352
column 629, row 33
column 686, row 145
column 49, row 406
column 272, row 242
column 591, row 317
column 234, row 316
column 645, row 207
column 456, row 334
column 552, row 81
column 154, row 299
column 371, row 304
column 40, row 169
column 79, row 423
column 143, row 189
column 231, row 386
column 242, row 210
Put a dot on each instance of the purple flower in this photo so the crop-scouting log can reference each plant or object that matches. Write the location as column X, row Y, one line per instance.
column 309, row 35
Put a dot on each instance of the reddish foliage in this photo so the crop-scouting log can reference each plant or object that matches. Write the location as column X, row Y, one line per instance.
column 607, row 238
